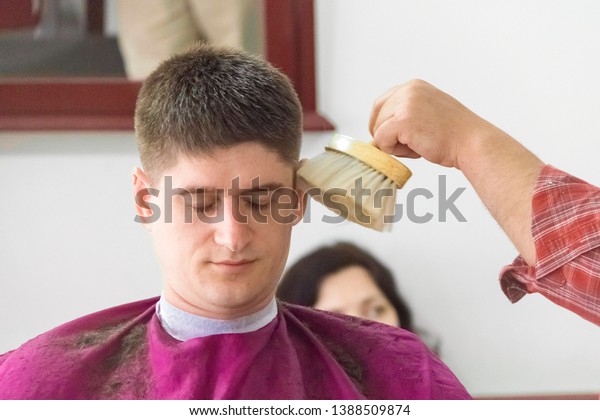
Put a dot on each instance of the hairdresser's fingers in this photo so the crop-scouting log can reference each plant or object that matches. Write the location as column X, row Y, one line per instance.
column 389, row 138
column 403, row 138
column 410, row 98
column 376, row 117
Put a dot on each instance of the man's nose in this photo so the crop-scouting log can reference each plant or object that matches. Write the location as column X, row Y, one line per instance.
column 234, row 231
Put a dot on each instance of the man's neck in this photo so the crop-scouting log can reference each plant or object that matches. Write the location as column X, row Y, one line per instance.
column 183, row 325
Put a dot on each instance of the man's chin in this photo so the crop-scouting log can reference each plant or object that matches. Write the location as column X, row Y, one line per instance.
column 228, row 303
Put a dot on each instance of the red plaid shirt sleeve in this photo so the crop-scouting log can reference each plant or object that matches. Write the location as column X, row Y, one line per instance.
column 566, row 231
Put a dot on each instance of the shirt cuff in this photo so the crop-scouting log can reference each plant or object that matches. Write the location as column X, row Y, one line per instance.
column 565, row 224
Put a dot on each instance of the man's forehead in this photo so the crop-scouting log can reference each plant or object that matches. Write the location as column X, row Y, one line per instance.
column 244, row 168
column 250, row 150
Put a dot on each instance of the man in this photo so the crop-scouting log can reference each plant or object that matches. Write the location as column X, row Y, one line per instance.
column 551, row 217
column 219, row 139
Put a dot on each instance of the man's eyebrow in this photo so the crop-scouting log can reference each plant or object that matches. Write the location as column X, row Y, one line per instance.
column 194, row 190
column 265, row 187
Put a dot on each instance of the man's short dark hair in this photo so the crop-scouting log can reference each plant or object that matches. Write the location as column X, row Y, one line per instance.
column 213, row 97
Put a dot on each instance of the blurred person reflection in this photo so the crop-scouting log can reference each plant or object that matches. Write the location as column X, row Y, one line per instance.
column 151, row 31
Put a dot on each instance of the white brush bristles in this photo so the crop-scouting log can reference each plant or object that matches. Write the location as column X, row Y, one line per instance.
column 351, row 189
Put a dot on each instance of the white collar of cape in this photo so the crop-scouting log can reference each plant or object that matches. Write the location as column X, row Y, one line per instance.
column 184, row 326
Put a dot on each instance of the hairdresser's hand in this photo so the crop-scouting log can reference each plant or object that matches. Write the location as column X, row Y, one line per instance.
column 417, row 119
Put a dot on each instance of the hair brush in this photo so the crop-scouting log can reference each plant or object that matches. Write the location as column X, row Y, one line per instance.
column 356, row 180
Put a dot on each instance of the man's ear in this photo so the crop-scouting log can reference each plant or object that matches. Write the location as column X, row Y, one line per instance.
column 146, row 211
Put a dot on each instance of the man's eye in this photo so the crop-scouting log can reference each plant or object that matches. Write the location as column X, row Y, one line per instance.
column 261, row 201
column 260, row 204
column 205, row 202
column 204, row 208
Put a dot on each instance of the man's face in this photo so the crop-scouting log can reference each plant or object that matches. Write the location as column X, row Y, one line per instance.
column 225, row 260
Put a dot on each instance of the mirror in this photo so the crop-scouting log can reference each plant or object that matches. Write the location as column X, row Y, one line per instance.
column 51, row 77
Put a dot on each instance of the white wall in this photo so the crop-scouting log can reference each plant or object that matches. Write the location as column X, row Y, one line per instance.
column 530, row 67
column 68, row 245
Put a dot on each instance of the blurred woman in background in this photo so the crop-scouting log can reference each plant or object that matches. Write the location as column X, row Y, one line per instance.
column 346, row 279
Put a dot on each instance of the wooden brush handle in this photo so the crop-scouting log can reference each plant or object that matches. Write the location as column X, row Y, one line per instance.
column 372, row 156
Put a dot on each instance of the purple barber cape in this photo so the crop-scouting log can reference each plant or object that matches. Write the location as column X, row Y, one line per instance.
column 125, row 353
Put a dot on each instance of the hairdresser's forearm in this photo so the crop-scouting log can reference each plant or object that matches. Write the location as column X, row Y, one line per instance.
column 503, row 173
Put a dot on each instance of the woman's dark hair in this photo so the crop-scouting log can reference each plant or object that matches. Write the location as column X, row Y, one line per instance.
column 301, row 282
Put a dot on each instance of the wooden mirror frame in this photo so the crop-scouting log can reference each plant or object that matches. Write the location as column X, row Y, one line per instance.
column 78, row 103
